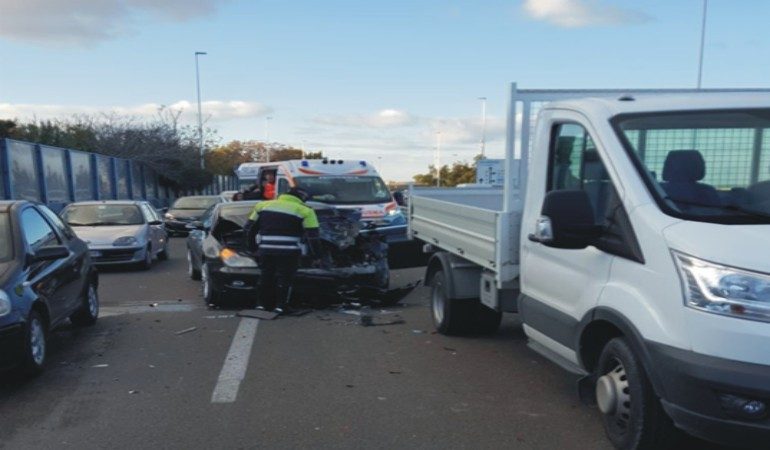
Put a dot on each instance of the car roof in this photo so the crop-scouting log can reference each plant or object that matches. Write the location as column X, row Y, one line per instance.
column 109, row 202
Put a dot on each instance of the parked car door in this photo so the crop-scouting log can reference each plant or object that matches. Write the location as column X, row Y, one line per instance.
column 197, row 236
column 48, row 279
column 156, row 231
column 76, row 266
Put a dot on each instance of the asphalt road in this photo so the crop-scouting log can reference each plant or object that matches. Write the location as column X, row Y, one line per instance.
column 317, row 381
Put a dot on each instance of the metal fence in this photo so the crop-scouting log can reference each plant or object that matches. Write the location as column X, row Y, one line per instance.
column 58, row 176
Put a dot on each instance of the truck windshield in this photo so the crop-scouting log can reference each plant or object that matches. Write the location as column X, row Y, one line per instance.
column 6, row 245
column 710, row 166
column 343, row 190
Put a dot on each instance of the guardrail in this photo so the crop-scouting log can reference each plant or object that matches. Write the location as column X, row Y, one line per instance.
column 58, row 176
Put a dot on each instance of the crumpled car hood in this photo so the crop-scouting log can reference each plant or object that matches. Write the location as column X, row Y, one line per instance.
column 338, row 226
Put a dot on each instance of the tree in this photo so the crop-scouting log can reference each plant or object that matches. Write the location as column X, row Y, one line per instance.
column 224, row 159
column 458, row 173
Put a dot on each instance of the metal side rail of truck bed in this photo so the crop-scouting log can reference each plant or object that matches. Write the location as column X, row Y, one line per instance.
column 468, row 223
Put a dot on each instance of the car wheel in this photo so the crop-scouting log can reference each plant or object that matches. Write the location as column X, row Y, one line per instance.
column 194, row 273
column 146, row 264
column 210, row 294
column 163, row 255
column 35, row 344
column 89, row 312
column 631, row 411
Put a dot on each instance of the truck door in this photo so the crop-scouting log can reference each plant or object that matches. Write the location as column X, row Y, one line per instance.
column 558, row 285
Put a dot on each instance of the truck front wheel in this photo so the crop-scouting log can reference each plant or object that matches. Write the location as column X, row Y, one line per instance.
column 632, row 414
column 454, row 316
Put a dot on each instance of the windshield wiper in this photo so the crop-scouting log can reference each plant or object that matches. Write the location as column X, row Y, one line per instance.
column 732, row 208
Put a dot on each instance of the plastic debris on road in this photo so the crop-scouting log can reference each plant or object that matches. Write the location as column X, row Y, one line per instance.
column 186, row 330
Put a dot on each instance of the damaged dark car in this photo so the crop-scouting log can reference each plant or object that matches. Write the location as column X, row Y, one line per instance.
column 353, row 260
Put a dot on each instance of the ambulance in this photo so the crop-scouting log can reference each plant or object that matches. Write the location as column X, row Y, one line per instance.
column 347, row 184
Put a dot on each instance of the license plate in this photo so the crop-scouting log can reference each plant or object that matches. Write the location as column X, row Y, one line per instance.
column 95, row 253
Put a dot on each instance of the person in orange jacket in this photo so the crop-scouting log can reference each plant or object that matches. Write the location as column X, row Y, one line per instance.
column 268, row 187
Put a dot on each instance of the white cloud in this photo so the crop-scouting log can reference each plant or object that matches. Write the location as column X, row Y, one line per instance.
column 386, row 118
column 581, row 13
column 214, row 109
column 85, row 22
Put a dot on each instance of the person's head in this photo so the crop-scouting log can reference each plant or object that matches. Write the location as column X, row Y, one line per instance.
column 270, row 177
column 299, row 193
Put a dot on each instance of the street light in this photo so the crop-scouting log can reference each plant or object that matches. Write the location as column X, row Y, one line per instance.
column 438, row 159
column 702, row 42
column 483, row 125
column 200, row 113
column 267, row 136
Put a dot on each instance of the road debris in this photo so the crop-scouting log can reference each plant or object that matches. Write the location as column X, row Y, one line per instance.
column 100, row 366
column 133, row 392
column 154, row 305
column 186, row 330
column 418, row 332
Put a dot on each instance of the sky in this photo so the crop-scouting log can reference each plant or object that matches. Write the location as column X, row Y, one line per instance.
column 361, row 79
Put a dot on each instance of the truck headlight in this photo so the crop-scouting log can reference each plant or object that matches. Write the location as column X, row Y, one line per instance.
column 5, row 304
column 231, row 258
column 125, row 241
column 724, row 290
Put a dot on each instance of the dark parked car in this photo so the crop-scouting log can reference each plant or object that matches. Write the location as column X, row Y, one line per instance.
column 351, row 257
column 186, row 210
column 46, row 277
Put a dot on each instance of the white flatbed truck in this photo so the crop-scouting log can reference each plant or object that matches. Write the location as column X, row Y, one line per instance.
column 632, row 237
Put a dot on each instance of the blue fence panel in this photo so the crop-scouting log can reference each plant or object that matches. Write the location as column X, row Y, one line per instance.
column 82, row 176
column 3, row 170
column 105, row 177
column 23, row 170
column 137, row 186
column 57, row 189
column 121, row 179
column 150, row 183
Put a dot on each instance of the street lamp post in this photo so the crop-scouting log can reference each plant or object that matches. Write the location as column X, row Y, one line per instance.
column 483, row 125
column 438, row 159
column 702, row 42
column 200, row 112
column 267, row 137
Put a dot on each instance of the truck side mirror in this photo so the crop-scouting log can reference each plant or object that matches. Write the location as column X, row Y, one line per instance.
column 566, row 221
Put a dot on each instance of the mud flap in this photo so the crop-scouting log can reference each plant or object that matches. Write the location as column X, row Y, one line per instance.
column 407, row 254
column 384, row 297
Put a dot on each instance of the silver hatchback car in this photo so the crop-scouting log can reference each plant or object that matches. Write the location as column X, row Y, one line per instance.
column 119, row 231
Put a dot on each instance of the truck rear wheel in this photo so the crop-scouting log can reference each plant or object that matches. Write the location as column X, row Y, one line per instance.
column 458, row 316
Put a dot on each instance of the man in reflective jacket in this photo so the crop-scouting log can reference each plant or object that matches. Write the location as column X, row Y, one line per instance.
column 275, row 228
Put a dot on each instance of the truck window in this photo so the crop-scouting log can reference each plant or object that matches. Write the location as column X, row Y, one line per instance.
column 708, row 166
column 575, row 164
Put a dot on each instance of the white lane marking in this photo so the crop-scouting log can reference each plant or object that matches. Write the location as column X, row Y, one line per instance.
column 236, row 362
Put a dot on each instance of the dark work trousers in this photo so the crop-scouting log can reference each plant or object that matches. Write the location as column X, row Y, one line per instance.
column 277, row 276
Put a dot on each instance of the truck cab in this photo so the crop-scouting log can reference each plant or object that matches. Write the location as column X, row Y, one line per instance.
column 632, row 243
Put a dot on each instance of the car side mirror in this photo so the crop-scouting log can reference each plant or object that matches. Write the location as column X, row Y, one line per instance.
column 566, row 221
column 155, row 222
column 50, row 253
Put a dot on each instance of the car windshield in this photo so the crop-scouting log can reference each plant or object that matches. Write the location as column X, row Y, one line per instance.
column 102, row 215
column 343, row 190
column 711, row 166
column 6, row 244
column 195, row 202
